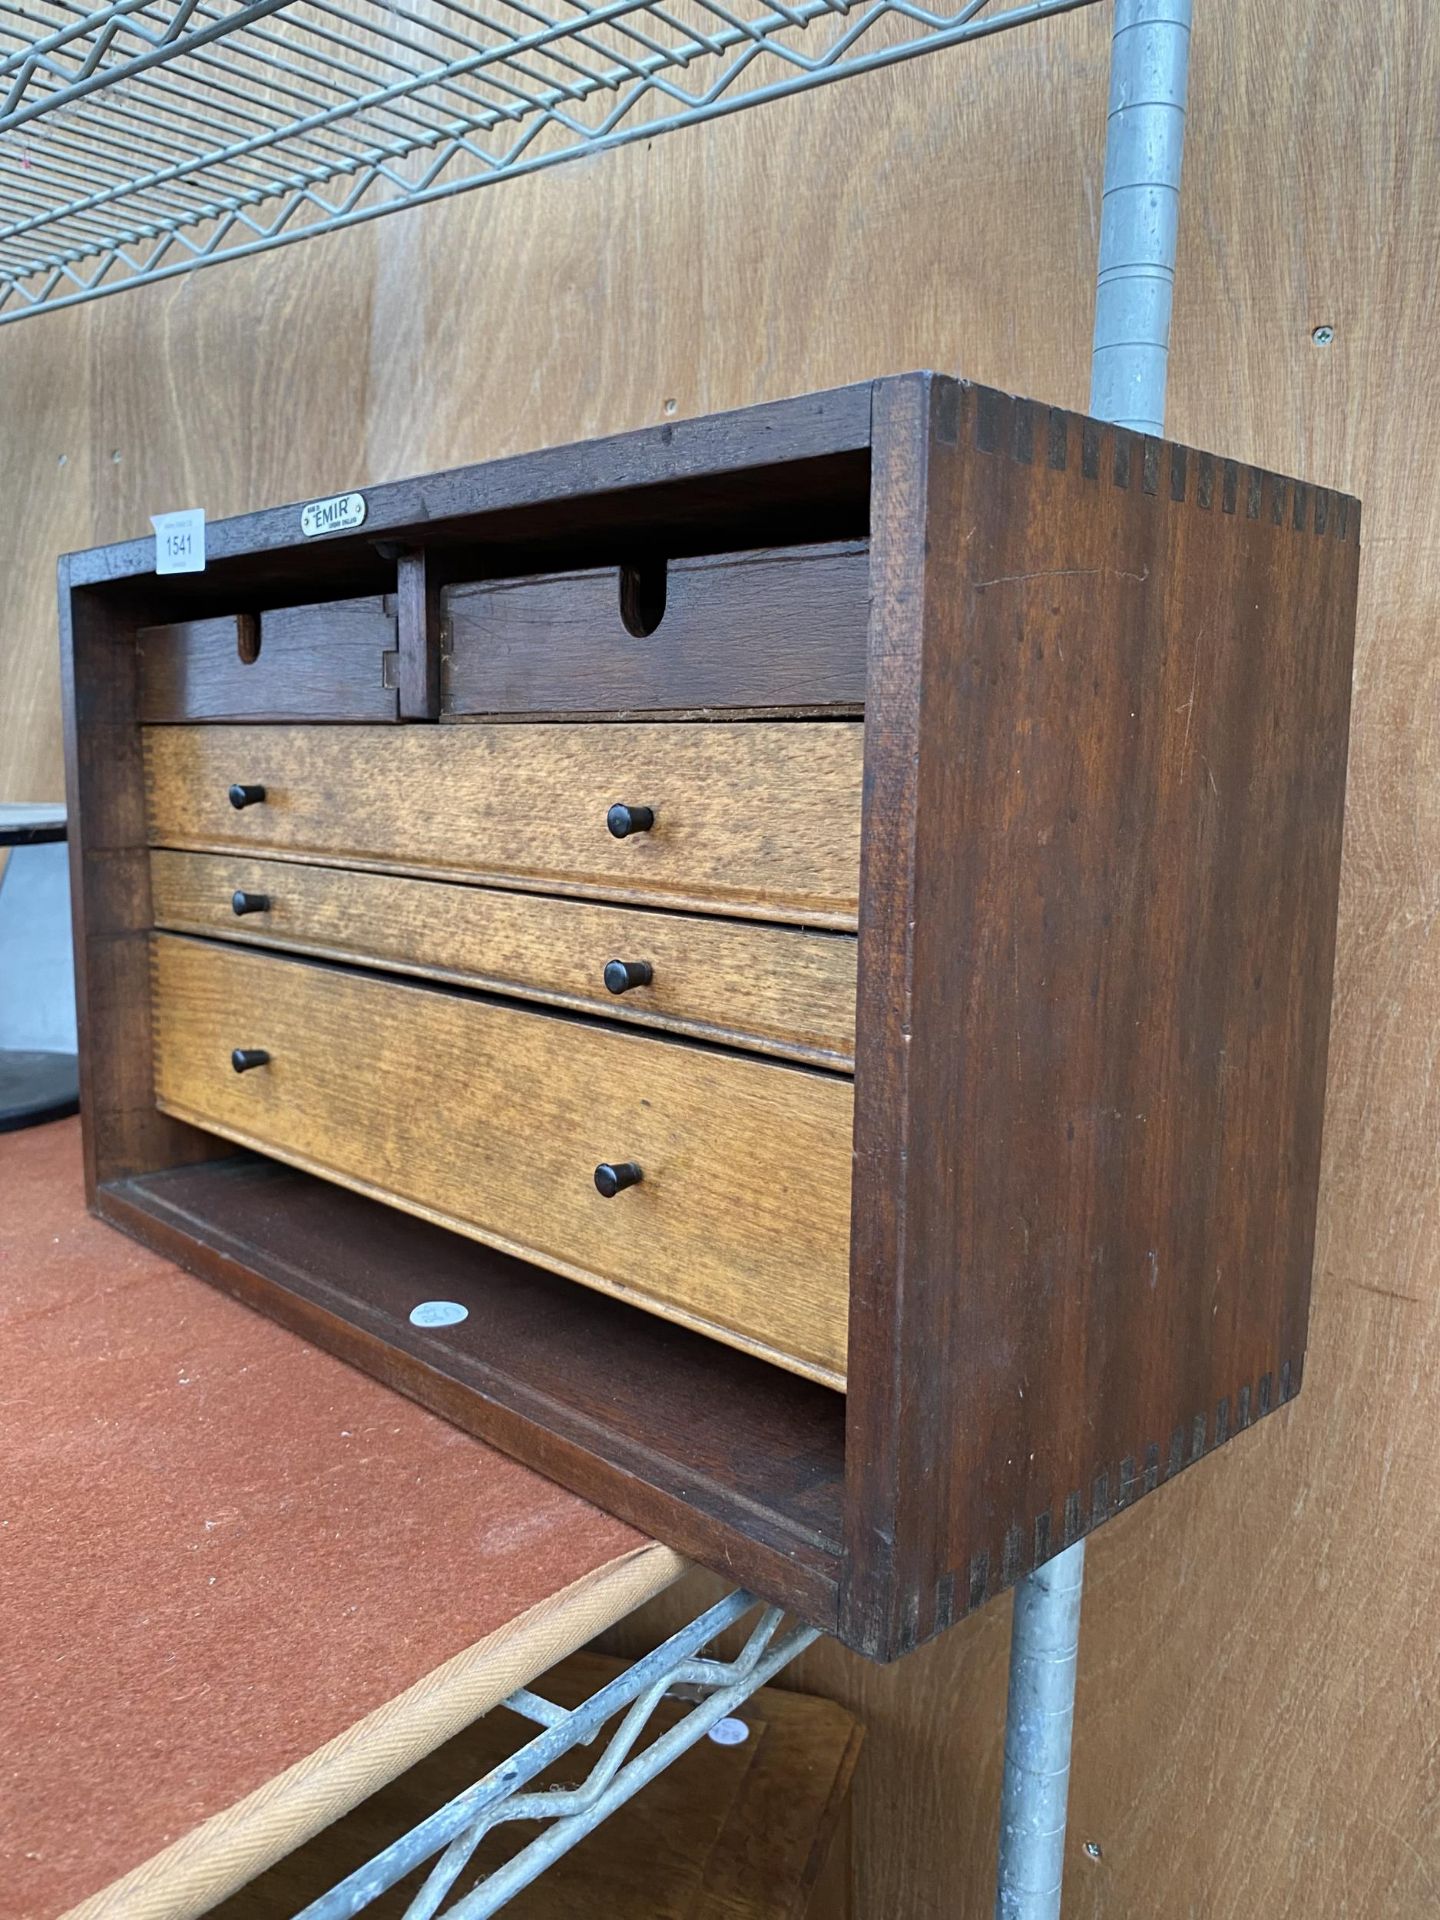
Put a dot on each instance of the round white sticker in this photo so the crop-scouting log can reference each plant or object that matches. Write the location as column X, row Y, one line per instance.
column 729, row 1732
column 438, row 1313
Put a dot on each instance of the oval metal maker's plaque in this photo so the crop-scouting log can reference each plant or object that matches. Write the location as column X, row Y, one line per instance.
column 336, row 515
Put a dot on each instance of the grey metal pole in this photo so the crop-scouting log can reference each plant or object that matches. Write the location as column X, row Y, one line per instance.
column 1140, row 212
column 1139, row 219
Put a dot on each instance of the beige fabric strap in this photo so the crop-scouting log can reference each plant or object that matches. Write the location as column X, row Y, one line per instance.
column 231, row 1847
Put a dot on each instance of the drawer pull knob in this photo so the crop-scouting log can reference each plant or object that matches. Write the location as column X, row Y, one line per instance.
column 244, row 902
column 610, row 1180
column 622, row 975
column 244, row 1058
column 242, row 796
column 623, row 821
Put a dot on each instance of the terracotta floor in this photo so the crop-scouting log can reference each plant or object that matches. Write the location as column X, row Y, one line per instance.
column 219, row 1547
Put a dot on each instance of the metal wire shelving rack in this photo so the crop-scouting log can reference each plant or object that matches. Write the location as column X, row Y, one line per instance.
column 146, row 138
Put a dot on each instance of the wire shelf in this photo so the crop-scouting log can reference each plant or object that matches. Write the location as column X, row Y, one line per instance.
column 147, row 138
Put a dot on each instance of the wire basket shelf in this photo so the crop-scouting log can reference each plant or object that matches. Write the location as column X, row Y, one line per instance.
column 146, row 138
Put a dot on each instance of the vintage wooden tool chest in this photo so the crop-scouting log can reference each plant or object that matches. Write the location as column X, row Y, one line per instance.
column 813, row 927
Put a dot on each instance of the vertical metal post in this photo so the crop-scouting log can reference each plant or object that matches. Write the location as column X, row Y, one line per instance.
column 1140, row 212
column 1139, row 219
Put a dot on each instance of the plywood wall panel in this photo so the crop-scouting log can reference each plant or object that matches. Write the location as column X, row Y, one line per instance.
column 232, row 388
column 44, row 508
column 1260, row 1683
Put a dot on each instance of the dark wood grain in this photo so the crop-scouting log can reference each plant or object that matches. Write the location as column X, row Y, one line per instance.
column 417, row 596
column 722, row 1455
column 325, row 662
column 1106, row 742
column 124, row 1132
column 786, row 627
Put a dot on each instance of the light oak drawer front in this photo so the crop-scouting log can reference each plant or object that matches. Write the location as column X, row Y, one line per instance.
column 494, row 1118
column 783, row 990
column 753, row 818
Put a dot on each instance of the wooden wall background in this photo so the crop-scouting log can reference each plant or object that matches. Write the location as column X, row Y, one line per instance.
column 1258, row 1725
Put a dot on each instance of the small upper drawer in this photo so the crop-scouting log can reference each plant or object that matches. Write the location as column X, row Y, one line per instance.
column 780, row 628
column 325, row 662
column 784, row 990
column 758, row 818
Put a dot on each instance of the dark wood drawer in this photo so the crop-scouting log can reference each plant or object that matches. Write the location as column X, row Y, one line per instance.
column 783, row 990
column 781, row 628
column 493, row 1119
column 333, row 661
column 760, row 819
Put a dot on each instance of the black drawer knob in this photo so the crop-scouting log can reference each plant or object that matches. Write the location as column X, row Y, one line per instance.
column 244, row 902
column 610, row 1180
column 622, row 975
column 244, row 1058
column 623, row 821
column 242, row 796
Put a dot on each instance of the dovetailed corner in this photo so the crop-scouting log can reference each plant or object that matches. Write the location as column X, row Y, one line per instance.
column 1122, row 458
column 1057, row 439
column 1010, row 1557
column 1042, row 1539
column 1178, row 473
column 1205, row 481
column 1024, row 431
column 1090, row 449
column 910, row 1620
column 946, row 411
column 1150, row 466
column 1072, row 1521
column 944, row 1602
column 991, row 409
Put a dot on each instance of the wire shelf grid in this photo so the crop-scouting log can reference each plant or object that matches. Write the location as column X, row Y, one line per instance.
column 146, row 138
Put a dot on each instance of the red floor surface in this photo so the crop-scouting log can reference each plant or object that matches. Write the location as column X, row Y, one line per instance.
column 219, row 1547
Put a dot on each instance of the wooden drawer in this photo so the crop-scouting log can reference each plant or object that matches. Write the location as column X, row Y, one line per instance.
column 784, row 990
column 754, row 818
column 333, row 661
column 492, row 1119
column 781, row 628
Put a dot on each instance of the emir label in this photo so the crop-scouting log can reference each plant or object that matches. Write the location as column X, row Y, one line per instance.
column 334, row 515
